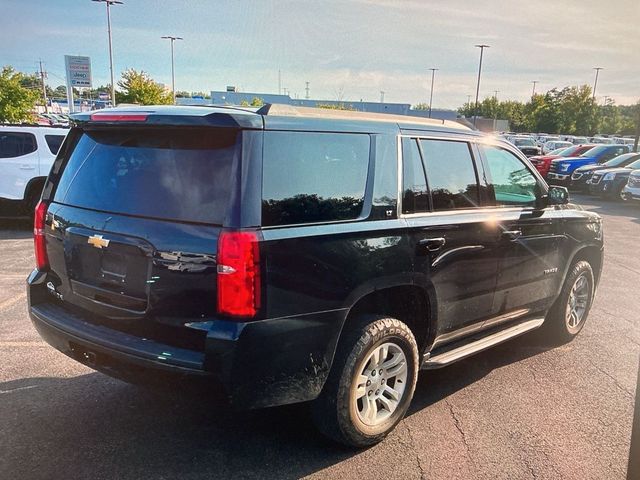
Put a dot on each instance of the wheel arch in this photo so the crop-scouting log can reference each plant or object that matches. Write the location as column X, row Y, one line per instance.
column 409, row 303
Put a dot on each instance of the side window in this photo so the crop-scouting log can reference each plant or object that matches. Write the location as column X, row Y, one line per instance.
column 54, row 142
column 513, row 183
column 415, row 194
column 451, row 174
column 313, row 177
column 13, row 144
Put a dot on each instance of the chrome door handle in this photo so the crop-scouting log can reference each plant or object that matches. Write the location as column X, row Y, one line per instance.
column 512, row 234
column 432, row 244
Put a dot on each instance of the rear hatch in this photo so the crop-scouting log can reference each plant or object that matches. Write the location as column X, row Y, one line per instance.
column 135, row 217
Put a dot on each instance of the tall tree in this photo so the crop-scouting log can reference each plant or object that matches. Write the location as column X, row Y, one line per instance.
column 138, row 87
column 16, row 101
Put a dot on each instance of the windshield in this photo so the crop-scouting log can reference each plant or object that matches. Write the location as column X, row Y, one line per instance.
column 568, row 151
column 178, row 174
column 595, row 151
column 620, row 160
column 523, row 142
column 634, row 165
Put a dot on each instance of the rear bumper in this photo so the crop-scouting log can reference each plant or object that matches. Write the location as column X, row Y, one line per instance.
column 258, row 364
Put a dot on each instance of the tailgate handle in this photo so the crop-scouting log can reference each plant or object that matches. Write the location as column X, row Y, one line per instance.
column 432, row 244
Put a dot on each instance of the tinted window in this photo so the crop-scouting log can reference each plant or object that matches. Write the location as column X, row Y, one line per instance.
column 513, row 183
column 451, row 174
column 54, row 142
column 313, row 177
column 175, row 174
column 16, row 144
column 415, row 194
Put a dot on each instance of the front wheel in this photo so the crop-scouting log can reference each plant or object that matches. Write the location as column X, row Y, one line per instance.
column 569, row 314
column 371, row 383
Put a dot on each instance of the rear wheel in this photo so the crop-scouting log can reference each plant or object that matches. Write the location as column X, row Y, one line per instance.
column 371, row 383
column 569, row 314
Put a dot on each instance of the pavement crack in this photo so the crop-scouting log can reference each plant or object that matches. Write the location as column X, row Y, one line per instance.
column 458, row 425
column 615, row 380
column 412, row 447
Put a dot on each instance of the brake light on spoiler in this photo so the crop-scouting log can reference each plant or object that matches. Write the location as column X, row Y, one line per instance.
column 119, row 117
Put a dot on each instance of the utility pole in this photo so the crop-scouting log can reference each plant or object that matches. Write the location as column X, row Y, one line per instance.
column 381, row 96
column 481, row 47
column 469, row 100
column 279, row 82
column 635, row 143
column 173, row 72
column 495, row 95
column 433, row 75
column 307, row 90
column 43, row 75
column 595, row 83
column 533, row 92
column 108, row 3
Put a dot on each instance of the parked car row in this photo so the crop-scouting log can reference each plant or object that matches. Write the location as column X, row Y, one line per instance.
column 610, row 171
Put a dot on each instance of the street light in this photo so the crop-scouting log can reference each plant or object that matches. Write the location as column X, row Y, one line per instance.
column 109, row 3
column 433, row 74
column 533, row 92
column 481, row 47
column 173, row 74
column 595, row 84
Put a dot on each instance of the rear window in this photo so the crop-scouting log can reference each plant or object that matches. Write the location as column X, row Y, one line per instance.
column 313, row 177
column 175, row 174
column 14, row 144
column 54, row 142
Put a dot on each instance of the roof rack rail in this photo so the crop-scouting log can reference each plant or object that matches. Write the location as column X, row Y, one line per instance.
column 275, row 109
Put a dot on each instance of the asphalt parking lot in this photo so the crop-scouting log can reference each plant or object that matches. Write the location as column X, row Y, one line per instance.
column 522, row 410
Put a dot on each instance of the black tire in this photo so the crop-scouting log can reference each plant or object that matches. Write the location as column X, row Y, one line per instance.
column 32, row 198
column 336, row 410
column 557, row 324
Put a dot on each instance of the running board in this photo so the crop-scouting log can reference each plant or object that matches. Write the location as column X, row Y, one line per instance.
column 446, row 358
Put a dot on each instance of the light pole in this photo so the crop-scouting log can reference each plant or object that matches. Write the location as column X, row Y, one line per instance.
column 381, row 96
column 109, row 3
column 173, row 73
column 533, row 92
column 433, row 75
column 595, row 83
column 475, row 112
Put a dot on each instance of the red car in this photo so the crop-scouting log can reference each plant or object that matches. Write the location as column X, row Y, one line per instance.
column 543, row 162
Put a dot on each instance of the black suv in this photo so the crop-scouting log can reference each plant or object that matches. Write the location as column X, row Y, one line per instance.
column 294, row 254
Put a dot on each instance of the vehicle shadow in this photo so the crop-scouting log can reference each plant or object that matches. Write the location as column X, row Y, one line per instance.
column 92, row 426
column 15, row 229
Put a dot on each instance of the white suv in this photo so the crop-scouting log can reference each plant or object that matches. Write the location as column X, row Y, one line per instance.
column 632, row 190
column 26, row 156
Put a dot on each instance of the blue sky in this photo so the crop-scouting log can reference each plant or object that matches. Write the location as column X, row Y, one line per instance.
column 347, row 49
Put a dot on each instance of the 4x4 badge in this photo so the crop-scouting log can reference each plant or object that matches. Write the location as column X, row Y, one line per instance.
column 98, row 241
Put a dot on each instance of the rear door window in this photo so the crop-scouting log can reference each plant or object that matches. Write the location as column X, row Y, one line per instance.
column 451, row 174
column 415, row 194
column 16, row 144
column 168, row 173
column 313, row 177
column 54, row 142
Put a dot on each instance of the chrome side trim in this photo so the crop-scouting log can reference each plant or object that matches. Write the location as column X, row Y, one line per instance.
column 447, row 358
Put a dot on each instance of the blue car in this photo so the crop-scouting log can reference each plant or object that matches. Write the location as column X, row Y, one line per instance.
column 562, row 168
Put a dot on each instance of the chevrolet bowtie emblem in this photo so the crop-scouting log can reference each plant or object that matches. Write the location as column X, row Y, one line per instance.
column 97, row 241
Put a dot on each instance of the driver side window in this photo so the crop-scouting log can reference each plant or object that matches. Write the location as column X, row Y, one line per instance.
column 513, row 183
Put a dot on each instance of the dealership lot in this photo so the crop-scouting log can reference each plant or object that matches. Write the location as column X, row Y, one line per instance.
column 525, row 409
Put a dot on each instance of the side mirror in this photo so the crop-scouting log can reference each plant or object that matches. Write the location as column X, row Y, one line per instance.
column 557, row 195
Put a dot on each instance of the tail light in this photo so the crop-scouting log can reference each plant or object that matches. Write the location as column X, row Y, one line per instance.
column 238, row 274
column 39, row 241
